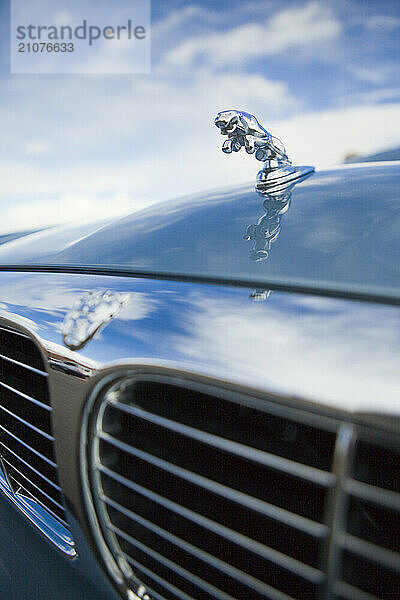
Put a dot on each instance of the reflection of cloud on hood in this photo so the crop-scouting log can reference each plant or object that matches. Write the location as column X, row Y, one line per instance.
column 18, row 319
column 138, row 306
column 57, row 299
column 51, row 299
column 328, row 351
column 28, row 214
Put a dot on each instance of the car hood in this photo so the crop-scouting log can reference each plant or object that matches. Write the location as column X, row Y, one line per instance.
column 337, row 230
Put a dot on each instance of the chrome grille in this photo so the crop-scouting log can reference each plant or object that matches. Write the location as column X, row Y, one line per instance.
column 28, row 464
column 183, row 492
column 209, row 493
column 370, row 539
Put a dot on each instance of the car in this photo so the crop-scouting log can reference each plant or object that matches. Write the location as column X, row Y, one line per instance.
column 201, row 399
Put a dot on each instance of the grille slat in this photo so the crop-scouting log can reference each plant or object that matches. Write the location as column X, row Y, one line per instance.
column 26, row 482
column 204, row 522
column 348, row 592
column 23, row 365
column 205, row 492
column 365, row 549
column 251, row 582
column 203, row 556
column 268, row 553
column 24, row 381
column 37, row 442
column 28, row 465
column 370, row 540
column 27, row 424
column 25, row 396
column 250, row 502
column 22, row 490
column 28, row 447
column 139, row 568
column 20, row 346
column 182, row 492
column 26, row 438
column 191, row 579
column 374, row 494
column 284, row 465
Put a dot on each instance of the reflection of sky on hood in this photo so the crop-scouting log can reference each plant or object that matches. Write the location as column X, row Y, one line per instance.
column 334, row 352
column 329, row 351
column 342, row 236
column 324, row 76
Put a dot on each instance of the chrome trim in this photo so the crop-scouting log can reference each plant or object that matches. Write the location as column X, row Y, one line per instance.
column 48, row 526
column 23, row 487
column 337, row 504
column 11, row 476
column 108, row 559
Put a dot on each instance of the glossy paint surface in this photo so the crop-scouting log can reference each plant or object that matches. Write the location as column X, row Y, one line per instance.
column 340, row 232
column 336, row 353
column 335, row 356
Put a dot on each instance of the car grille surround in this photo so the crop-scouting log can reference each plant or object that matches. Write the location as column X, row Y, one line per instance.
column 199, row 491
column 28, row 467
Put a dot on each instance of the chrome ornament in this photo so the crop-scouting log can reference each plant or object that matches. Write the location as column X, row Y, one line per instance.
column 243, row 130
column 90, row 312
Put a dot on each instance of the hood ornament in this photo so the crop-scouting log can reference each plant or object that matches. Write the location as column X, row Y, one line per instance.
column 90, row 312
column 243, row 130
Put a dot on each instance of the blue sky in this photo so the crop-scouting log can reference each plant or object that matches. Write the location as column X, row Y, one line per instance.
column 322, row 75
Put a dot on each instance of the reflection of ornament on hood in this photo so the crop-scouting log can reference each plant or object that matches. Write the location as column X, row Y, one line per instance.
column 260, row 295
column 90, row 312
column 243, row 130
column 268, row 226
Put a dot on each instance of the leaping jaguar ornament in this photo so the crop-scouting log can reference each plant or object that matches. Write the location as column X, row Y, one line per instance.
column 243, row 130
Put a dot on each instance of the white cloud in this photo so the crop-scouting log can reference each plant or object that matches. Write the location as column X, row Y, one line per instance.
column 177, row 19
column 382, row 21
column 36, row 196
column 181, row 157
column 377, row 73
column 382, row 94
column 38, row 147
column 325, row 137
column 288, row 29
column 78, row 147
